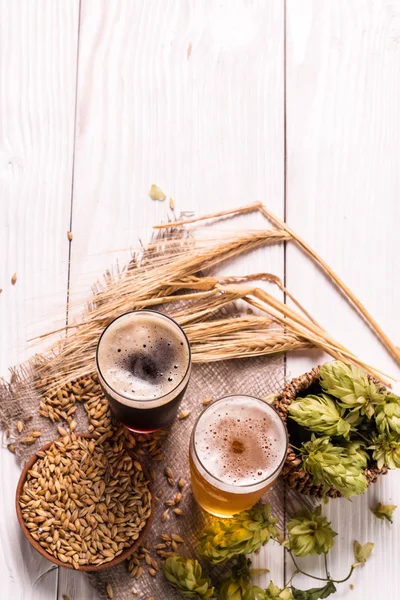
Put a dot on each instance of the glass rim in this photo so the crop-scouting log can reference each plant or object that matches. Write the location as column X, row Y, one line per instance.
column 247, row 485
column 162, row 315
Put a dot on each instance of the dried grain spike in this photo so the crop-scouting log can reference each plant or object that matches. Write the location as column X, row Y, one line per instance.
column 178, row 498
column 28, row 440
column 179, row 512
column 20, row 426
column 177, row 538
column 165, row 515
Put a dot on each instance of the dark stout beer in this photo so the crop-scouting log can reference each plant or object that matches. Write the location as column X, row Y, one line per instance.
column 237, row 450
column 143, row 361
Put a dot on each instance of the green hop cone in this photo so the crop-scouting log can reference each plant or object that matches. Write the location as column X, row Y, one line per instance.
column 357, row 454
column 320, row 414
column 335, row 466
column 238, row 586
column 186, row 575
column 273, row 592
column 386, row 449
column 351, row 386
column 310, row 533
column 246, row 532
column 387, row 415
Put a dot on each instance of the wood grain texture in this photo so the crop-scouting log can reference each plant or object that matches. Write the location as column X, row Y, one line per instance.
column 187, row 95
column 37, row 98
column 343, row 184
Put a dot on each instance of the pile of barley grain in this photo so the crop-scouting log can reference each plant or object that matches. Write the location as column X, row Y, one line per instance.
column 85, row 501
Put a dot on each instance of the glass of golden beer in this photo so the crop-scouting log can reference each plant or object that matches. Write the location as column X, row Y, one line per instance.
column 237, row 450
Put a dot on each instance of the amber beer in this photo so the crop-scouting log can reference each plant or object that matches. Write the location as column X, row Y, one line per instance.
column 143, row 361
column 237, row 450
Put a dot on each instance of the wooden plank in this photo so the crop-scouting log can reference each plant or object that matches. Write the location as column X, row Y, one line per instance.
column 37, row 102
column 189, row 97
column 343, row 152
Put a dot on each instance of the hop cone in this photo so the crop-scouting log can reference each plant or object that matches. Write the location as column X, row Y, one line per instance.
column 238, row 586
column 387, row 415
column 246, row 532
column 386, row 449
column 186, row 575
column 320, row 414
column 310, row 533
column 334, row 465
column 273, row 592
column 350, row 384
column 357, row 454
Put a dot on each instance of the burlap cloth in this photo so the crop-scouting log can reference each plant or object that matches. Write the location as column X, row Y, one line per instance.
column 258, row 376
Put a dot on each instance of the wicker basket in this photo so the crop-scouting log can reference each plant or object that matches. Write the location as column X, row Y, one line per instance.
column 293, row 471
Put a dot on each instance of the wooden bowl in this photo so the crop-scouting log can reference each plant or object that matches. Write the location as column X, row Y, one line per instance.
column 87, row 568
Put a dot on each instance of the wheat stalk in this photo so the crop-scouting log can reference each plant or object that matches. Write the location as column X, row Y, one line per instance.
column 171, row 272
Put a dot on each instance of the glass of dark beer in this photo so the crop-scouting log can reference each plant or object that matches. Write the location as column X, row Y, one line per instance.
column 143, row 362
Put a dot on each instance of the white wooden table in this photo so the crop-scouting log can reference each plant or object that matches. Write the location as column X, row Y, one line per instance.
column 221, row 103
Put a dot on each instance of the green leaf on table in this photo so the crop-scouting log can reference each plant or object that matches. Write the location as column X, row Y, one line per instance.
column 362, row 552
column 314, row 593
column 384, row 511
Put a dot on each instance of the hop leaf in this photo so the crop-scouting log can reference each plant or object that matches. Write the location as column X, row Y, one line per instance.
column 351, row 386
column 384, row 511
column 273, row 592
column 361, row 553
column 310, row 533
column 320, row 414
column 335, row 466
column 246, row 532
column 186, row 575
column 314, row 593
column 387, row 415
column 386, row 449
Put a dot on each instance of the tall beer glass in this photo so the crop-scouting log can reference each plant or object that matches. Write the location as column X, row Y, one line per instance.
column 143, row 362
column 237, row 450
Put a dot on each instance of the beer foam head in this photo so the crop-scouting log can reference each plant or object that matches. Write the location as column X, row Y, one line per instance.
column 143, row 355
column 240, row 441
